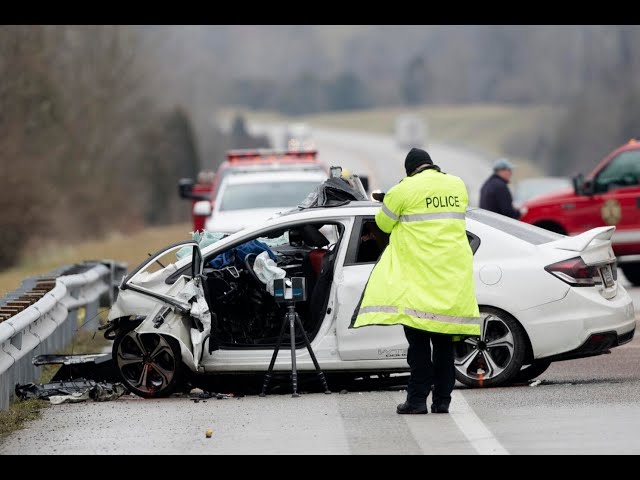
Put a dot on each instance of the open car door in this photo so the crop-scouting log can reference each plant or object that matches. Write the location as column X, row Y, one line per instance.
column 179, row 308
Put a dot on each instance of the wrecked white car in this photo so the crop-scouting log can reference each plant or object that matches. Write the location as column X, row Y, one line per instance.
column 543, row 297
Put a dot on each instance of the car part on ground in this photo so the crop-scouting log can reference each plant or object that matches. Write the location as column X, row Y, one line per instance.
column 73, row 391
column 94, row 366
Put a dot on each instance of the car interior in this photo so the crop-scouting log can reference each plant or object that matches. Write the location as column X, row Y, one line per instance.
column 244, row 313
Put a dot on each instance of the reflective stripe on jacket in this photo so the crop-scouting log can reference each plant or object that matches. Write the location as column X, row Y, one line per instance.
column 424, row 278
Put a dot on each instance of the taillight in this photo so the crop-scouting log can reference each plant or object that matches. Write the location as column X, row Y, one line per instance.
column 574, row 272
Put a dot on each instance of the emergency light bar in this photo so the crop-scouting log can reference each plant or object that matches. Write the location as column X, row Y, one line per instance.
column 270, row 155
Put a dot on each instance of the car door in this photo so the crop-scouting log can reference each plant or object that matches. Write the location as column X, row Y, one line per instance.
column 149, row 278
column 372, row 342
column 177, row 307
column 617, row 194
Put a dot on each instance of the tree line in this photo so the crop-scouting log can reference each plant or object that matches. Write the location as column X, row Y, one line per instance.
column 86, row 148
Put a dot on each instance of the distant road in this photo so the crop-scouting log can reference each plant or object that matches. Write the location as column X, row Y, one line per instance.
column 378, row 156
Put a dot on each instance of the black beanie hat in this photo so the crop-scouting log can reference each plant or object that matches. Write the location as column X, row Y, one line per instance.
column 415, row 158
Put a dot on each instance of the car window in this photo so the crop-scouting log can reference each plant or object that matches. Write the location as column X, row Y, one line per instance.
column 528, row 189
column 265, row 195
column 523, row 231
column 371, row 243
column 622, row 171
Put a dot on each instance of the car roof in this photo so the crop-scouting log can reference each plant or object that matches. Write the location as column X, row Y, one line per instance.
column 276, row 176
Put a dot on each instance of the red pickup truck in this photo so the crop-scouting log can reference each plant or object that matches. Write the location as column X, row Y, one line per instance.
column 609, row 195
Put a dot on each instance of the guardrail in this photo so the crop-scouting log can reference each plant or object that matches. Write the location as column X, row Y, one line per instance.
column 42, row 316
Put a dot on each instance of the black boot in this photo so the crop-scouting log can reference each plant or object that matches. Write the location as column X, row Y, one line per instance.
column 405, row 408
column 439, row 408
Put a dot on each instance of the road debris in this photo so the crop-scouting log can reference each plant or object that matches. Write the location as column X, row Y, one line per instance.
column 209, row 433
column 536, row 383
column 98, row 367
column 78, row 390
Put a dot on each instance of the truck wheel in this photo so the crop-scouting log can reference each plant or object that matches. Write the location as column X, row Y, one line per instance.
column 632, row 272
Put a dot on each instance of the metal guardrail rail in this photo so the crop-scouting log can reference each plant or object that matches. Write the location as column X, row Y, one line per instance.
column 41, row 316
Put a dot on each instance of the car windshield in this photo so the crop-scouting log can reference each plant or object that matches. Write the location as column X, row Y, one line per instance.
column 265, row 195
column 523, row 231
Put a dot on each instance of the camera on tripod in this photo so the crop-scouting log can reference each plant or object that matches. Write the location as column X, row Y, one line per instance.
column 290, row 290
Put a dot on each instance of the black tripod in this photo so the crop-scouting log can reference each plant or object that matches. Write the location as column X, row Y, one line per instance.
column 292, row 318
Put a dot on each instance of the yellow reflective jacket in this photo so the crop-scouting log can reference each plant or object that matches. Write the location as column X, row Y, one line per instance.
column 424, row 278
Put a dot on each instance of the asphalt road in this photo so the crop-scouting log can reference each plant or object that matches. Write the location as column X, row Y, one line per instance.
column 588, row 406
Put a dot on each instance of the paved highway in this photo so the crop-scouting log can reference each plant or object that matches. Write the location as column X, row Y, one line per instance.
column 588, row 406
column 378, row 156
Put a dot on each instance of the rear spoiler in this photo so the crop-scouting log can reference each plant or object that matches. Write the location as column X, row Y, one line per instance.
column 582, row 241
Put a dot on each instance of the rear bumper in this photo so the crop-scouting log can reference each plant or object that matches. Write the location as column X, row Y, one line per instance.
column 563, row 329
column 596, row 344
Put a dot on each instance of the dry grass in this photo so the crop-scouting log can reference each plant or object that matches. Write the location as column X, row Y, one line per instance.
column 131, row 249
column 18, row 414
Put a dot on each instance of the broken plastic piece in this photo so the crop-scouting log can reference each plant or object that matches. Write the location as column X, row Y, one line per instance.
column 79, row 390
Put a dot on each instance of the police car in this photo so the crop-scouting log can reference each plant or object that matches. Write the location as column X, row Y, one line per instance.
column 543, row 297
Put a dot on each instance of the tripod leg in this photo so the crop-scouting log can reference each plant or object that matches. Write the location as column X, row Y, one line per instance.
column 267, row 377
column 313, row 356
column 294, row 371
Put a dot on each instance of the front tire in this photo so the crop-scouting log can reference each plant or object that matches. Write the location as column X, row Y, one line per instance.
column 495, row 357
column 632, row 272
column 148, row 364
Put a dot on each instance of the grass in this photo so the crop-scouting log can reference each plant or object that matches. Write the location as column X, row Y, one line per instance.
column 18, row 414
column 131, row 249
column 487, row 128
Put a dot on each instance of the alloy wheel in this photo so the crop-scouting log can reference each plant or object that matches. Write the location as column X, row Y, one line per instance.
column 488, row 356
column 146, row 361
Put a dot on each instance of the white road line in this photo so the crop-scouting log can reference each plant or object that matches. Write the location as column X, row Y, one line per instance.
column 479, row 436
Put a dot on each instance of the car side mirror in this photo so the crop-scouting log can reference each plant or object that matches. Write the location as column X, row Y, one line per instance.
column 185, row 187
column 588, row 187
column 582, row 186
column 185, row 190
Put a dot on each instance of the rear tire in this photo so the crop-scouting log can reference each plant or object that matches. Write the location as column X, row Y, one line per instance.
column 632, row 272
column 529, row 372
column 494, row 358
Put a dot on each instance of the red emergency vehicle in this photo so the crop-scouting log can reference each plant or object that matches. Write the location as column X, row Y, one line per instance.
column 244, row 161
column 609, row 195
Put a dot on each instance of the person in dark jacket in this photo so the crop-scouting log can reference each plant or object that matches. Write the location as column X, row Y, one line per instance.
column 495, row 194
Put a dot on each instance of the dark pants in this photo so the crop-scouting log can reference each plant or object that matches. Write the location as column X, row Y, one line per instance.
column 426, row 374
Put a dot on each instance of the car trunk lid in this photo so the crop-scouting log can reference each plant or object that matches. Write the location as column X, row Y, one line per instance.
column 594, row 247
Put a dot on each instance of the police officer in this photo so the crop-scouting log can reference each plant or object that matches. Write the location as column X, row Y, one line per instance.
column 424, row 278
column 495, row 194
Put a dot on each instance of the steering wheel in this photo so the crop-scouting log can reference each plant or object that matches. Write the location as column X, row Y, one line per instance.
column 249, row 261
